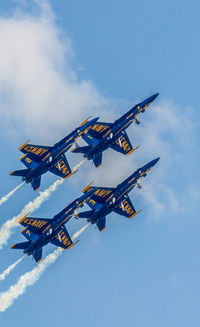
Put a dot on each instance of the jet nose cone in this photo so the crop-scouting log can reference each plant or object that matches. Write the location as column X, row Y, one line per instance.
column 155, row 161
column 153, row 97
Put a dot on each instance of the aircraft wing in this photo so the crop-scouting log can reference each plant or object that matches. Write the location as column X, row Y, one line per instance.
column 99, row 129
column 27, row 161
column 126, row 208
column 62, row 168
column 123, row 145
column 102, row 195
column 62, row 239
column 91, row 140
column 30, row 236
column 35, row 152
column 35, row 225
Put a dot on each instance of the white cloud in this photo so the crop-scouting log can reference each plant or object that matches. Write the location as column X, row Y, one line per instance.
column 43, row 98
column 39, row 88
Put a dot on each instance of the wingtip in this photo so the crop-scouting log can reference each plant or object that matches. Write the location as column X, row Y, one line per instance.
column 69, row 247
column 22, row 157
column 87, row 187
column 22, row 146
column 39, row 260
column 24, row 217
column 132, row 150
column 135, row 213
column 85, row 121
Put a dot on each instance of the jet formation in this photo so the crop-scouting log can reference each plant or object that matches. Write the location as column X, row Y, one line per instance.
column 39, row 159
column 101, row 200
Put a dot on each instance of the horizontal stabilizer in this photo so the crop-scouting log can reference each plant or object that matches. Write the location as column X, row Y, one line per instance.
column 37, row 255
column 98, row 160
column 85, row 214
column 36, row 183
column 20, row 246
column 21, row 172
column 101, row 224
column 81, row 149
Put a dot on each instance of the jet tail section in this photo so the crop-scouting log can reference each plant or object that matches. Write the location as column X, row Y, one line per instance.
column 36, row 183
column 37, row 255
column 81, row 149
column 21, row 172
column 101, row 224
column 20, row 246
column 98, row 160
column 85, row 214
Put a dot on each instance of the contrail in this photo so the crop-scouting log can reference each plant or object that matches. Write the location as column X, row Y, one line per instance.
column 6, row 197
column 8, row 227
column 10, row 268
column 7, row 298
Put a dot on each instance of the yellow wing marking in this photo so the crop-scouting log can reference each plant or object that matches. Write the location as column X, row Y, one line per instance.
column 64, row 169
column 22, row 146
column 135, row 214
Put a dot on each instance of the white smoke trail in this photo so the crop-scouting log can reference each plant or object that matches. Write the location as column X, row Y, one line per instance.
column 10, row 268
column 7, row 298
column 79, row 232
column 6, row 197
column 8, row 227
column 78, row 165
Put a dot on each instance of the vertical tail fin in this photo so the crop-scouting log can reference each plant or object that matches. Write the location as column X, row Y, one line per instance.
column 37, row 255
column 36, row 183
column 98, row 160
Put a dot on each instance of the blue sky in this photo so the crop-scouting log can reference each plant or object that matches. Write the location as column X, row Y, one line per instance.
column 61, row 63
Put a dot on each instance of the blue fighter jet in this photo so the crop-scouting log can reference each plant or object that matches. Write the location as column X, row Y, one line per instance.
column 111, row 135
column 41, row 231
column 39, row 159
column 106, row 199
